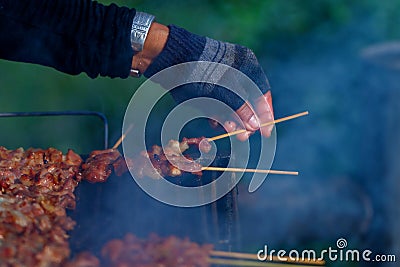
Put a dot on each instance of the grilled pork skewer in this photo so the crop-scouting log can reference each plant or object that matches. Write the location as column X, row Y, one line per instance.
column 168, row 161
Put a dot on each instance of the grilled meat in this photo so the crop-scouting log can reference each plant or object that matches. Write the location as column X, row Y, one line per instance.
column 155, row 251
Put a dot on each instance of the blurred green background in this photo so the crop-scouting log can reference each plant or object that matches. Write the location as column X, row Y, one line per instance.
column 311, row 52
column 273, row 29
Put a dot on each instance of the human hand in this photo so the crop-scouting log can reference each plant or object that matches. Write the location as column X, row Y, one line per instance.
column 182, row 46
column 252, row 118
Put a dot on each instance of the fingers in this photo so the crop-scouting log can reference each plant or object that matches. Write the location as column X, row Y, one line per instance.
column 244, row 136
column 213, row 122
column 251, row 120
column 230, row 126
column 265, row 112
column 248, row 119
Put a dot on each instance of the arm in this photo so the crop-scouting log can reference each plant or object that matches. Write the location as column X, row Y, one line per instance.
column 154, row 44
column 72, row 36
column 172, row 45
column 75, row 36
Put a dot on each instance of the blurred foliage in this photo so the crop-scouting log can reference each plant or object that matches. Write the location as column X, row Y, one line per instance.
column 269, row 27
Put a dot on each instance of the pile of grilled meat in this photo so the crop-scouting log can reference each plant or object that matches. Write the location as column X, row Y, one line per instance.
column 154, row 251
column 37, row 187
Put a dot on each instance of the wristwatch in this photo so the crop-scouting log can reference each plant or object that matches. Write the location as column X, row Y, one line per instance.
column 140, row 27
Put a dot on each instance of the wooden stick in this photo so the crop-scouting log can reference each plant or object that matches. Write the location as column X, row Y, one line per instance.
column 248, row 256
column 262, row 125
column 249, row 263
column 247, row 170
column 122, row 137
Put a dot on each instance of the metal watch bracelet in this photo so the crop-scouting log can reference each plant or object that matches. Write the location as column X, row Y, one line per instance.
column 140, row 27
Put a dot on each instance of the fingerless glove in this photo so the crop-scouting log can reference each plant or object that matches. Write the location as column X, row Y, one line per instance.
column 183, row 46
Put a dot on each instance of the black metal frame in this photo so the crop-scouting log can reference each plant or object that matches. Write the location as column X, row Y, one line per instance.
column 222, row 214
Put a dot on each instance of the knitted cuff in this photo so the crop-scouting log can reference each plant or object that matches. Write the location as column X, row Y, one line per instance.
column 181, row 46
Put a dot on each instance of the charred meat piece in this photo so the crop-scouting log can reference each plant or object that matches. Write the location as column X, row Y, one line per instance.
column 84, row 259
column 36, row 188
column 201, row 142
column 170, row 162
column 155, row 163
column 155, row 251
column 98, row 167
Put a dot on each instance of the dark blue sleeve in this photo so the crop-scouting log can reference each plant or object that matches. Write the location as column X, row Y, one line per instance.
column 72, row 36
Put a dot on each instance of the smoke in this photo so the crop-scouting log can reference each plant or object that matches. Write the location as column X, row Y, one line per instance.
column 341, row 149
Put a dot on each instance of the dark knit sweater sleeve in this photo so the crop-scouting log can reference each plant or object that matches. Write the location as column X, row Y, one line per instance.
column 72, row 36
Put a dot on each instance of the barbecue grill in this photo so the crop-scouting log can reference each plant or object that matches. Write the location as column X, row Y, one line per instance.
column 110, row 210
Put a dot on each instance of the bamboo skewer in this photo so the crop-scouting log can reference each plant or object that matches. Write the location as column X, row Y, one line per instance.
column 243, row 263
column 248, row 256
column 248, row 170
column 119, row 141
column 262, row 125
column 250, row 263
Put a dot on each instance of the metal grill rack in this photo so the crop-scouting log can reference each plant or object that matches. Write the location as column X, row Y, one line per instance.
column 119, row 206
